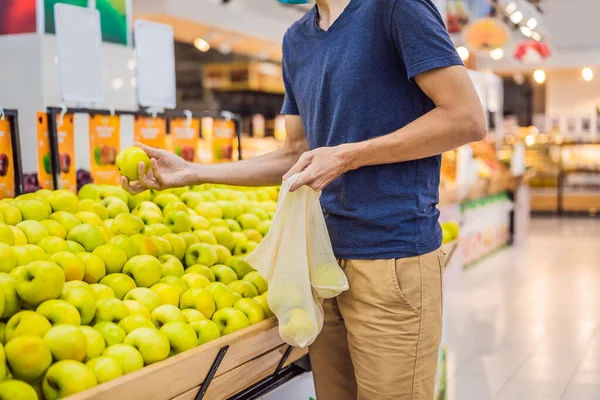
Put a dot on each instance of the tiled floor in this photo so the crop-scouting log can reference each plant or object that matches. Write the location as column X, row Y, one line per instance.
column 524, row 324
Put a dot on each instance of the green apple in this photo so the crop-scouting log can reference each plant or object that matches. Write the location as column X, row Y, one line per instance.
column 54, row 228
column 137, row 308
column 198, row 299
column 264, row 227
column 115, row 206
column 233, row 225
column 6, row 234
column 66, row 378
column 72, row 266
column 113, row 257
column 248, row 221
column 12, row 215
column 129, row 160
column 262, row 301
column 244, row 288
column 230, row 209
column 229, row 320
column 163, row 247
column 110, row 310
column 119, row 283
column 26, row 323
column 88, row 217
column 83, row 300
column 101, row 291
column 148, row 231
column 59, row 312
column 195, row 281
column 159, row 229
column 105, row 369
column 89, row 191
column 191, row 314
column 149, row 217
column 35, row 210
column 128, row 356
column 86, row 235
column 192, row 199
column 205, row 237
column 218, row 223
column 66, row 342
column 190, row 238
column 168, row 294
column 240, row 266
column 133, row 322
column 77, row 284
column 111, row 332
column 199, row 223
column 244, row 249
column 75, row 247
column 13, row 389
column 127, row 224
column 8, row 258
column 175, row 206
column 28, row 357
column 209, row 210
column 33, row 230
column 66, row 219
column 253, row 235
column 20, row 238
column 94, row 342
column 12, row 301
column 166, row 313
column 251, row 309
column 146, row 296
column 39, row 281
column 134, row 201
column 208, row 196
column 164, row 198
column 260, row 213
column 180, row 335
column 178, row 245
column 147, row 206
column 126, row 244
column 145, row 245
column 206, row 331
column 108, row 223
column 223, row 253
column 16, row 271
column 94, row 267
column 176, row 282
column 178, row 221
column 224, row 274
column 145, row 270
column 151, row 343
column 201, row 253
column 222, row 295
column 112, row 191
column 257, row 280
column 224, row 237
column 94, row 207
column 64, row 200
column 202, row 270
column 53, row 244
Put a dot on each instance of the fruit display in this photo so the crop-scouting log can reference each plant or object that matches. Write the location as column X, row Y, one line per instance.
column 450, row 231
column 100, row 284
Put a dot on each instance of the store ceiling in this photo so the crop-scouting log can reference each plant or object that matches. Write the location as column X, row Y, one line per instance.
column 573, row 24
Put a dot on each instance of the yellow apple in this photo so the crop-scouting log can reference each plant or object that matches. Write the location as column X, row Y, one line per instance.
column 66, row 378
column 257, row 280
column 26, row 323
column 111, row 332
column 105, row 369
column 20, row 238
column 195, row 281
column 180, row 335
column 39, row 281
column 133, row 322
column 88, row 217
column 115, row 206
column 35, row 210
column 101, row 291
column 13, row 389
column 12, row 215
column 59, row 312
column 127, row 224
column 110, row 310
column 146, row 296
column 159, row 229
column 119, row 283
column 94, row 267
column 66, row 342
column 114, row 258
column 87, row 236
column 191, row 315
column 54, row 228
column 251, row 309
column 8, row 258
column 198, row 299
column 126, row 244
column 33, row 230
column 28, row 357
column 67, row 220
column 201, row 253
column 83, row 300
column 128, row 356
column 145, row 246
column 152, row 344
column 262, row 301
column 223, row 253
column 205, row 237
column 12, row 301
column 128, row 162
column 202, row 270
column 229, row 320
column 64, row 200
column 137, row 308
column 94, row 342
column 168, row 293
column 72, row 266
column 145, row 270
column 53, row 244
column 176, row 282
column 206, row 330
column 163, row 247
column 190, row 238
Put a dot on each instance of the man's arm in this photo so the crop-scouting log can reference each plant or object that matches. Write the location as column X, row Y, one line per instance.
column 457, row 120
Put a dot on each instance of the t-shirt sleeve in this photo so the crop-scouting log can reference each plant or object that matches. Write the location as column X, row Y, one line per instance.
column 290, row 107
column 421, row 37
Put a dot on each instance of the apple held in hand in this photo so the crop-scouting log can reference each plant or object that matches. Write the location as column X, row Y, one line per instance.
column 121, row 284
column 110, row 310
column 59, row 312
column 111, row 332
column 229, row 320
column 145, row 270
column 243, row 288
column 114, row 258
column 39, row 281
column 133, row 322
column 66, row 342
column 66, row 378
column 180, row 335
column 257, row 280
column 129, row 160
column 127, row 355
column 251, row 309
column 224, row 274
column 146, row 296
column 13, row 389
column 28, row 357
column 86, row 235
column 105, row 369
column 198, row 299
column 94, row 342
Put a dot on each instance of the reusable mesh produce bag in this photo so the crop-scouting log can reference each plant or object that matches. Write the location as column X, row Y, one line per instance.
column 297, row 259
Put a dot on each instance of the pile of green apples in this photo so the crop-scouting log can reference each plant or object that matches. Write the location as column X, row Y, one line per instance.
column 97, row 285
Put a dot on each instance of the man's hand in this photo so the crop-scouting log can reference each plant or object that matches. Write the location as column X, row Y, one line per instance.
column 319, row 167
column 168, row 171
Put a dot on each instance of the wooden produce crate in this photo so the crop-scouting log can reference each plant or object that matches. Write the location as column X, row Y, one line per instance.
column 246, row 357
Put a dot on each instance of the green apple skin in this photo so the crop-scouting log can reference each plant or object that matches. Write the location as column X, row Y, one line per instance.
column 149, row 217
column 223, row 253
column 233, row 225
column 53, row 244
column 54, row 228
column 101, row 291
column 119, row 283
column 75, row 247
column 224, row 237
column 192, row 199
column 260, row 213
column 115, row 206
column 83, row 300
column 198, row 299
column 244, row 288
column 133, row 322
column 166, row 313
column 105, row 369
column 12, row 215
column 59, row 312
column 201, row 253
column 180, row 335
column 248, row 221
column 112, row 191
column 253, row 235
column 178, row 221
column 262, row 301
column 190, row 239
column 64, row 200
column 163, row 247
column 193, row 315
column 218, row 223
column 206, row 330
column 176, row 282
column 28, row 357
column 195, row 281
column 159, row 229
column 199, row 223
column 130, row 359
column 87, row 236
column 170, row 265
column 94, row 342
column 164, row 198
column 206, row 237
column 244, row 249
column 124, row 243
column 175, row 206
column 144, row 269
column 110, row 310
column 12, row 301
column 114, row 258
column 66, row 378
column 87, row 217
column 251, row 309
column 224, row 274
column 209, row 210
column 146, row 296
column 72, row 266
column 257, row 280
column 239, row 266
column 8, row 258
column 28, row 253
column 134, row 201
column 93, row 207
column 231, row 210
column 222, row 296
column 66, row 342
column 152, row 344
column 35, row 210
column 168, row 293
column 33, row 230
column 145, row 245
column 127, row 224
column 94, row 267
column 178, row 245
column 6, row 234
column 147, row 206
column 20, row 238
column 39, row 281
column 89, row 191
column 137, row 308
column 26, row 323
column 229, row 320
column 66, row 219
column 128, row 162
column 264, row 227
column 13, row 389
column 111, row 332
column 202, row 270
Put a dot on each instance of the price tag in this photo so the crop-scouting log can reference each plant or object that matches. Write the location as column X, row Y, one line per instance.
column 66, row 150
column 105, row 144
column 7, row 172
column 150, row 131
column 184, row 138
column 43, row 152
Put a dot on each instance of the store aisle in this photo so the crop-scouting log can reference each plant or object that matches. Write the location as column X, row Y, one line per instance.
column 524, row 324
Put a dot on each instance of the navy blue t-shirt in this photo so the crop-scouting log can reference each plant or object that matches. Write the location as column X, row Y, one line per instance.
column 352, row 83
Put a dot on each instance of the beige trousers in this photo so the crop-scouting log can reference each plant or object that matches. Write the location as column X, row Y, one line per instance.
column 380, row 339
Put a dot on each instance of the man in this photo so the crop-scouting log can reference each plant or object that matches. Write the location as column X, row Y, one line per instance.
column 375, row 92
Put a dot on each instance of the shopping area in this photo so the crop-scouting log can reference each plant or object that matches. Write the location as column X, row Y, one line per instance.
column 84, row 264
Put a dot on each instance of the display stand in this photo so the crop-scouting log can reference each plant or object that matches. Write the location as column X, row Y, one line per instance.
column 12, row 116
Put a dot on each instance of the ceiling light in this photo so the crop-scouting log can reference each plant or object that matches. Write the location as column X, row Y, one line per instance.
column 225, row 48
column 539, row 76
column 516, row 17
column 463, row 52
column 532, row 23
column 536, row 36
column 511, row 8
column 201, row 45
column 497, row 54
column 588, row 74
column 526, row 31
column 530, row 140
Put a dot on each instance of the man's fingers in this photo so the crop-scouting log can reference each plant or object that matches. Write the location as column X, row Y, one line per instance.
column 143, row 179
column 133, row 189
column 300, row 166
column 305, row 178
column 150, row 151
column 156, row 171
